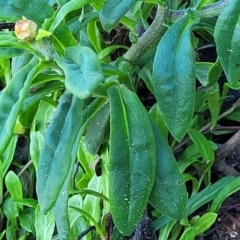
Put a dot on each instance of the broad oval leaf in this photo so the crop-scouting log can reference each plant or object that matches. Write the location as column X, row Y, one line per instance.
column 174, row 77
column 169, row 195
column 132, row 158
column 112, row 11
column 227, row 34
column 82, row 70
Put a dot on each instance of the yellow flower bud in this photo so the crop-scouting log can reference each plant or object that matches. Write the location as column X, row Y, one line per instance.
column 25, row 30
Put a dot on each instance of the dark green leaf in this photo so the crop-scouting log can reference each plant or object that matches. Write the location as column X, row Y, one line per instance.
column 112, row 11
column 169, row 194
column 226, row 36
column 96, row 130
column 174, row 77
column 132, row 158
column 36, row 10
column 57, row 153
column 10, row 52
column 202, row 70
column 63, row 38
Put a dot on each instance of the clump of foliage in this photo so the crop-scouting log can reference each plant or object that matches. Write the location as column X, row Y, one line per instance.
column 100, row 164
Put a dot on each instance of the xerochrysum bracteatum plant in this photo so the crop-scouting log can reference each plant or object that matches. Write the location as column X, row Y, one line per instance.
column 110, row 119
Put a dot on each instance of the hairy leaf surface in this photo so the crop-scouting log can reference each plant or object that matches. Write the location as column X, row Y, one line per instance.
column 174, row 77
column 132, row 158
column 227, row 34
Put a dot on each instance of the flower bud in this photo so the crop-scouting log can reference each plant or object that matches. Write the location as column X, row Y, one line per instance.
column 25, row 30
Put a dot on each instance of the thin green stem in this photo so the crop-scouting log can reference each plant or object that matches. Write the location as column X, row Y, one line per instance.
column 210, row 10
column 155, row 31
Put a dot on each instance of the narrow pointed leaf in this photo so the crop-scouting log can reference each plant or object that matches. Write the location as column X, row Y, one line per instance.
column 169, row 195
column 11, row 100
column 132, row 158
column 56, row 159
column 227, row 34
column 96, row 130
column 174, row 77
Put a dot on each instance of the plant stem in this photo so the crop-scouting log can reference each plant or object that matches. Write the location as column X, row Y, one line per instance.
column 149, row 38
column 210, row 10
column 155, row 31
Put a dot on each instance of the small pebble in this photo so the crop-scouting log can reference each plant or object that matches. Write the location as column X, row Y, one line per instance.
column 233, row 234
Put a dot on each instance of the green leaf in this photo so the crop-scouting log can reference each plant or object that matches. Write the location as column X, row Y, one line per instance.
column 169, row 195
column 112, row 11
column 36, row 10
column 214, row 72
column 188, row 234
column 202, row 70
column 228, row 189
column 55, row 159
column 226, row 36
column 165, row 231
column 91, row 203
column 158, row 119
column 11, row 100
column 8, row 154
column 174, row 77
column 214, row 103
column 235, row 115
column 44, row 225
column 38, row 129
column 106, row 51
column 208, row 194
column 202, row 144
column 96, row 130
column 60, row 209
column 13, row 185
column 63, row 38
column 8, row 52
column 10, row 209
column 197, row 201
column 82, row 70
column 95, row 36
column 132, row 158
column 65, row 9
column 204, row 222
column 34, row 97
